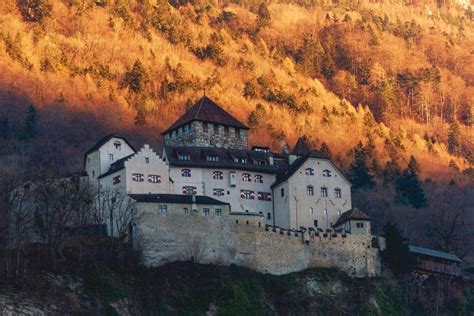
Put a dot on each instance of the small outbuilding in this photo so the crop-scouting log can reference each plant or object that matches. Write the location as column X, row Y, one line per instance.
column 429, row 261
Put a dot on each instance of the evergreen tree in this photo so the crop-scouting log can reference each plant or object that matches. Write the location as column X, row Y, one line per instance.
column 136, row 78
column 325, row 150
column 409, row 187
column 359, row 172
column 391, row 172
column 453, row 137
column 250, row 91
column 263, row 16
column 311, row 56
column 30, row 128
column 396, row 254
column 328, row 67
column 256, row 116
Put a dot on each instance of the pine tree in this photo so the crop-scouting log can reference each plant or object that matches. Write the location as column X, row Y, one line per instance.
column 409, row 187
column 136, row 78
column 30, row 129
column 453, row 137
column 391, row 172
column 359, row 172
column 325, row 150
column 397, row 254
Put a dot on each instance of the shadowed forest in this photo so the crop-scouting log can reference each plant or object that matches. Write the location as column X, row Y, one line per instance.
column 384, row 88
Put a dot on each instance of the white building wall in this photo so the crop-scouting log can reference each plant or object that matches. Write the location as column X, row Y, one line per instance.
column 203, row 180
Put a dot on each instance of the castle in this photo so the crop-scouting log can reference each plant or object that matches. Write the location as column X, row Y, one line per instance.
column 210, row 198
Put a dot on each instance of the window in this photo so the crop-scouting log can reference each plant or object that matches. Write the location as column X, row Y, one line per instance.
column 247, row 194
column 138, row 177
column 216, row 129
column 360, row 225
column 189, row 190
column 264, row 196
column 186, row 211
column 204, row 127
column 218, row 192
column 240, row 160
column 338, row 212
column 326, row 173
column 153, row 178
column 309, row 171
column 213, row 158
column 324, row 192
column 258, row 178
column 282, row 191
column 310, row 190
column 237, row 132
column 337, row 193
column 205, row 211
column 269, row 216
column 260, row 162
column 218, row 212
column 325, row 212
column 246, row 177
column 111, row 157
column 147, row 160
column 162, row 208
column 315, row 223
column 185, row 172
column 88, row 159
column 117, row 145
column 93, row 173
column 311, row 210
column 183, row 157
column 218, row 175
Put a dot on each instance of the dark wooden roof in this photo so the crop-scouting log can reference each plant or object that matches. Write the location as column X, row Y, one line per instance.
column 206, row 110
column 301, row 148
column 297, row 164
column 116, row 166
column 198, row 158
column 175, row 198
column 353, row 214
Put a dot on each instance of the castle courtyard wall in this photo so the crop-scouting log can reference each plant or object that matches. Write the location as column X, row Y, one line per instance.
column 172, row 237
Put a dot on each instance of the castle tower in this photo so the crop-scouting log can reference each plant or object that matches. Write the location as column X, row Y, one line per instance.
column 206, row 124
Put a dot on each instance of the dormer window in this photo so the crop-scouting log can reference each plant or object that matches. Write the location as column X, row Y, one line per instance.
column 184, row 157
column 240, row 160
column 260, row 162
column 118, row 145
column 218, row 175
column 309, row 171
column 246, row 177
column 326, row 173
column 213, row 158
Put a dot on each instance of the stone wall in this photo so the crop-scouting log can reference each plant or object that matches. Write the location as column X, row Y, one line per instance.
column 174, row 237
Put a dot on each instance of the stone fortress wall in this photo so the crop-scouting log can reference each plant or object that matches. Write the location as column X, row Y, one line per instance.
column 220, row 240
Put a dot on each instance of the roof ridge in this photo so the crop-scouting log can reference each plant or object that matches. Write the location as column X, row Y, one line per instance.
column 199, row 107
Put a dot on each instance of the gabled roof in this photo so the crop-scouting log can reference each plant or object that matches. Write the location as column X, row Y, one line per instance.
column 434, row 253
column 116, row 166
column 301, row 148
column 205, row 110
column 297, row 164
column 176, row 199
column 226, row 158
column 104, row 140
column 353, row 214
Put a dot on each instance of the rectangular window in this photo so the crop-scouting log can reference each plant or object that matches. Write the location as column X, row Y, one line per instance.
column 154, row 178
column 183, row 157
column 213, row 158
column 163, row 208
column 315, row 223
column 310, row 190
column 337, row 193
column 246, row 177
column 218, row 192
column 116, row 180
column 186, row 173
column 138, row 177
column 260, row 162
column 324, row 192
column 360, row 225
column 218, row 212
column 282, row 191
column 311, row 210
column 247, row 194
column 258, row 178
column 206, row 211
column 264, row 196
column 269, row 216
column 186, row 211
column 189, row 190
column 111, row 157
column 147, row 160
column 218, row 175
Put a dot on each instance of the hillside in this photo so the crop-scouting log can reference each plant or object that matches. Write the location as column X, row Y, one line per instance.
column 191, row 289
column 397, row 77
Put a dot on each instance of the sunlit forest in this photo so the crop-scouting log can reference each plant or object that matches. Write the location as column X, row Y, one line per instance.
column 387, row 85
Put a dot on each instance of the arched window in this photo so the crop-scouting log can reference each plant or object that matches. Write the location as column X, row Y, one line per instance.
column 337, row 193
column 326, row 173
column 258, row 178
column 246, row 177
column 309, row 171
column 310, row 190
column 185, row 172
column 218, row 175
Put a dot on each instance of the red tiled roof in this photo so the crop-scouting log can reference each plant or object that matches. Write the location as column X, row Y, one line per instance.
column 206, row 110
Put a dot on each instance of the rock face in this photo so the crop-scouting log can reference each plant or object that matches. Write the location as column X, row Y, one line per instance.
column 172, row 237
column 13, row 305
